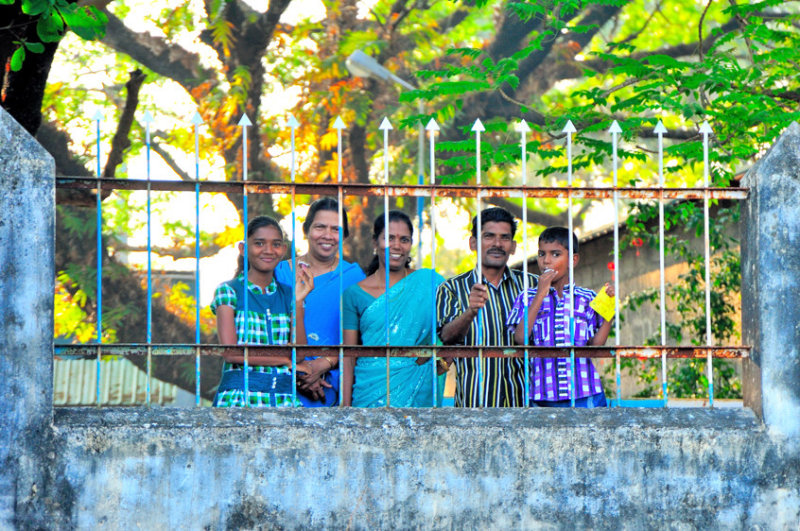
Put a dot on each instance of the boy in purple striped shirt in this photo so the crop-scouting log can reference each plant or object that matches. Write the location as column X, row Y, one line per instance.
column 548, row 322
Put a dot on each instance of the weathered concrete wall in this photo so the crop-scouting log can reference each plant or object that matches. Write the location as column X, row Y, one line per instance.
column 27, row 214
column 443, row 469
column 448, row 469
column 771, row 285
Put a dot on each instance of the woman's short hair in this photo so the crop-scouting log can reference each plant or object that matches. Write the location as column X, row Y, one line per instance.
column 325, row 203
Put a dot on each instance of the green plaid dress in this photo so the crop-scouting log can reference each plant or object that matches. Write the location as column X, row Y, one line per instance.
column 270, row 327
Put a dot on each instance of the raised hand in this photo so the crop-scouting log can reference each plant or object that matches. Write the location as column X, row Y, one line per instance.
column 304, row 282
column 610, row 289
column 546, row 280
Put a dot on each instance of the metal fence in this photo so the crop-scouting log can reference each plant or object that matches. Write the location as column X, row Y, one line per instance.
column 432, row 191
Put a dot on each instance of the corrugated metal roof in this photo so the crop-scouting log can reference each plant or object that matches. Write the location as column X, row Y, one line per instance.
column 121, row 384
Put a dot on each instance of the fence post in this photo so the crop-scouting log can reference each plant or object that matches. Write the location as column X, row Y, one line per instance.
column 27, row 254
column 771, row 285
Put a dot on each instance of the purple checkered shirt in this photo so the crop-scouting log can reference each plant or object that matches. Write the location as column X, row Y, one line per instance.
column 551, row 376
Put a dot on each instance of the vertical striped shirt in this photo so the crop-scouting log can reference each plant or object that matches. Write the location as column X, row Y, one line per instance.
column 552, row 379
column 503, row 378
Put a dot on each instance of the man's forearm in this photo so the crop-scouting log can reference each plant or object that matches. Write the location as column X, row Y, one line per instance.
column 455, row 330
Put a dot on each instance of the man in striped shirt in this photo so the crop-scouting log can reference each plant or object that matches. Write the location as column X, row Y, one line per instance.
column 470, row 311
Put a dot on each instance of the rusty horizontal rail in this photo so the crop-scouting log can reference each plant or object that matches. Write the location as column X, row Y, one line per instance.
column 424, row 190
column 89, row 351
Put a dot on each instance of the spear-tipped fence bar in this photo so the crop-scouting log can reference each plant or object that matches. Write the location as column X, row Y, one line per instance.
column 478, row 191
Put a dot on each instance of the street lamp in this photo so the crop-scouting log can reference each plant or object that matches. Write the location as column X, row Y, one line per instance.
column 362, row 65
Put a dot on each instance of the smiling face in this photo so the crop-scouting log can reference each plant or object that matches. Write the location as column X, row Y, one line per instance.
column 497, row 244
column 553, row 255
column 323, row 236
column 400, row 243
column 265, row 248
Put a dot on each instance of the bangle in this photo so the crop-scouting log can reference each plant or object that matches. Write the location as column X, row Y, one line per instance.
column 330, row 363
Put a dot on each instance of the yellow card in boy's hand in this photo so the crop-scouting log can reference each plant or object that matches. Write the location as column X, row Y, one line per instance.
column 603, row 304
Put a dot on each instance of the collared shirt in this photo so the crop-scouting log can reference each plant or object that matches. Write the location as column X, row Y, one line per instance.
column 503, row 378
column 271, row 327
column 550, row 377
column 268, row 322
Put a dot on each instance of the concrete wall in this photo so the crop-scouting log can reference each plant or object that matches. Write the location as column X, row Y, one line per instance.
column 447, row 469
column 444, row 469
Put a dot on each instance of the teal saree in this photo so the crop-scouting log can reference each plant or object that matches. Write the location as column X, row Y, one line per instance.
column 411, row 303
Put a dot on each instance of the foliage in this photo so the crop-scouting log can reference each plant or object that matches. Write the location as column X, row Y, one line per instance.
column 181, row 302
column 53, row 19
column 545, row 61
column 730, row 85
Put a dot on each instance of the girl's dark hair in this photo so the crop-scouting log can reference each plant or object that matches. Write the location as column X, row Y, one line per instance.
column 255, row 224
column 325, row 203
column 377, row 229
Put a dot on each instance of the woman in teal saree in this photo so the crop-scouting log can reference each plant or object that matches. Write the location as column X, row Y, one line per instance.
column 410, row 306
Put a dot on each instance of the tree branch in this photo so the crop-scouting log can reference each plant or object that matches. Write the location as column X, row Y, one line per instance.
column 597, row 16
column 534, row 216
column 176, row 252
column 156, row 53
column 679, row 50
column 166, row 157
column 121, row 142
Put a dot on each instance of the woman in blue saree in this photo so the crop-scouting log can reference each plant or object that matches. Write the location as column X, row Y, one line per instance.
column 410, row 306
column 320, row 387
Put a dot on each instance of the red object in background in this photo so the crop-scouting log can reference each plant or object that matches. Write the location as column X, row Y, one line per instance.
column 637, row 242
column 611, row 268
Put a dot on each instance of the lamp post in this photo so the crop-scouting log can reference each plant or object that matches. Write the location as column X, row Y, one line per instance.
column 362, row 65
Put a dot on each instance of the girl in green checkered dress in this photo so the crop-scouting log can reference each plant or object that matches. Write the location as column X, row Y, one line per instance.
column 267, row 322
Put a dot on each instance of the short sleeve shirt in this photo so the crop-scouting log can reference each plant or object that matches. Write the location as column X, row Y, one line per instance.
column 551, row 377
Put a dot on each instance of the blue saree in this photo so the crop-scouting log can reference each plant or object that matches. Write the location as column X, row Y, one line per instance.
column 410, row 323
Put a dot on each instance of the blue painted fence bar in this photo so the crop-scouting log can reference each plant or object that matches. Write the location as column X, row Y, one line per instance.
column 477, row 129
column 244, row 123
column 615, row 130
column 98, row 118
column 339, row 125
column 148, row 119
column 569, row 129
column 705, row 130
column 432, row 127
column 523, row 128
column 197, row 122
column 292, row 123
column 420, row 190
column 660, row 130
column 385, row 127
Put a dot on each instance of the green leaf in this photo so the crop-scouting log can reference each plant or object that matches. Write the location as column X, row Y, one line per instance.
column 666, row 60
column 17, row 58
column 35, row 7
column 87, row 22
column 34, row 47
column 50, row 27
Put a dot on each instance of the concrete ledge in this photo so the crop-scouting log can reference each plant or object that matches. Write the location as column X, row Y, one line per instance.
column 409, row 418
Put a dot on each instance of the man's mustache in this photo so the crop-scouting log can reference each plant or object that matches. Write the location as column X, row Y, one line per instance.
column 497, row 249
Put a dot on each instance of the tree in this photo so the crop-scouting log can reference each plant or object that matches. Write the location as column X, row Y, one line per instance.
column 498, row 61
column 28, row 41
